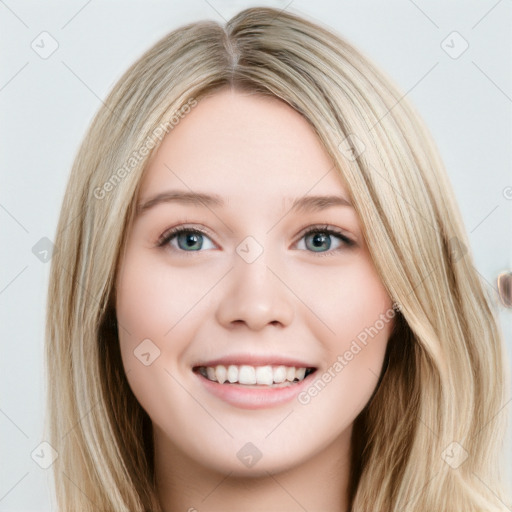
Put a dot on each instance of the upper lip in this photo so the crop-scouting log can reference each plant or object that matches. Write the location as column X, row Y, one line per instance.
column 255, row 360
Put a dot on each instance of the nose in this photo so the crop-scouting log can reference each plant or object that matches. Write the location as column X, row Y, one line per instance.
column 256, row 295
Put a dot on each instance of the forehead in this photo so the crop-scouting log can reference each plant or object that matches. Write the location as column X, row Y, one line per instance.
column 237, row 144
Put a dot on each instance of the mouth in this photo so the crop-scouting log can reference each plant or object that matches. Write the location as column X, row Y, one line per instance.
column 254, row 387
column 257, row 377
column 254, row 381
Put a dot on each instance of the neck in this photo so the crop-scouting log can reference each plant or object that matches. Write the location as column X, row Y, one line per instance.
column 319, row 483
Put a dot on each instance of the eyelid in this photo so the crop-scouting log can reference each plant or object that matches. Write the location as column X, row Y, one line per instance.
column 308, row 228
column 346, row 240
column 184, row 226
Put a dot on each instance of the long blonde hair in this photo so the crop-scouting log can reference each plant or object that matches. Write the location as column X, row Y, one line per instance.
column 442, row 389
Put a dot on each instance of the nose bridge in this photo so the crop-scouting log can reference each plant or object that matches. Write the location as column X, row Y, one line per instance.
column 250, row 250
column 252, row 265
column 255, row 295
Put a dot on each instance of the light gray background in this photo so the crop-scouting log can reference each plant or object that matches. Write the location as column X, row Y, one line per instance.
column 46, row 105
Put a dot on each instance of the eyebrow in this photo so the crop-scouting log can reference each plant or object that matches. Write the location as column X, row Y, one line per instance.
column 300, row 204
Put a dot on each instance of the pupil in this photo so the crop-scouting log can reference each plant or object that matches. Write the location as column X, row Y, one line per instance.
column 191, row 239
column 319, row 239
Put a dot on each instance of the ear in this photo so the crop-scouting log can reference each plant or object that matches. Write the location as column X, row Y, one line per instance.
column 505, row 288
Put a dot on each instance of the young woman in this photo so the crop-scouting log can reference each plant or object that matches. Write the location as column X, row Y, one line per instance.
column 262, row 296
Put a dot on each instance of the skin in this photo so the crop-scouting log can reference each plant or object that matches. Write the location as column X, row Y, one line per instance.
column 258, row 154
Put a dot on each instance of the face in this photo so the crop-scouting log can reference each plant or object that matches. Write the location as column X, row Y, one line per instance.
column 254, row 285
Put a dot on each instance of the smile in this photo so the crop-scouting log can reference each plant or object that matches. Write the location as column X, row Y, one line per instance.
column 254, row 387
column 254, row 375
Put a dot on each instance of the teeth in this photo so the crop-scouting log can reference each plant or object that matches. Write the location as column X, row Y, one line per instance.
column 300, row 373
column 221, row 373
column 280, row 374
column 264, row 375
column 245, row 374
column 232, row 373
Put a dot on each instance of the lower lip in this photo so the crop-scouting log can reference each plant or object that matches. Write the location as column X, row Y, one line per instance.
column 254, row 398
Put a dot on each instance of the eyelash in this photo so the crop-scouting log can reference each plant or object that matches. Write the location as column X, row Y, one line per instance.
column 168, row 235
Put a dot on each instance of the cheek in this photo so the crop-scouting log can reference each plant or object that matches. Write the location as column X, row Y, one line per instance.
column 358, row 312
column 148, row 304
column 153, row 298
column 347, row 301
column 368, row 323
column 159, row 310
column 144, row 309
column 350, row 375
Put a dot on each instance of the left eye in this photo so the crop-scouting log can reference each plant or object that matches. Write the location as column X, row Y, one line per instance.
column 191, row 240
column 322, row 237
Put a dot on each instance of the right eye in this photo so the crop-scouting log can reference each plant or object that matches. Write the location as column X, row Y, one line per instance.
column 186, row 238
